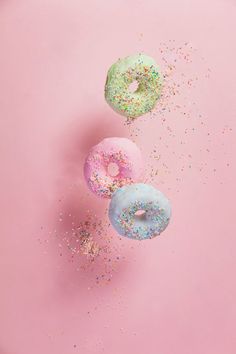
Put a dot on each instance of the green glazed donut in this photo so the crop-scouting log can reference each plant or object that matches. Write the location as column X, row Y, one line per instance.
column 140, row 68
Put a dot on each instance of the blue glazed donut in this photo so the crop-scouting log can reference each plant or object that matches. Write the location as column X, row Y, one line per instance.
column 139, row 211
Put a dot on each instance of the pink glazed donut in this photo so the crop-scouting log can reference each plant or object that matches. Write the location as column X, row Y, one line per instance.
column 119, row 152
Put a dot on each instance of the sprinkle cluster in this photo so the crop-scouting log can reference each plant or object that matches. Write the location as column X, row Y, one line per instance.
column 100, row 182
column 154, row 220
column 143, row 70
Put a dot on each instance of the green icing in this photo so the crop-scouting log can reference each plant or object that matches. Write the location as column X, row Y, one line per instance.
column 140, row 68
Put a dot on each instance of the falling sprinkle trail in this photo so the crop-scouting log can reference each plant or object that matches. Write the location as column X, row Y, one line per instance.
column 89, row 246
column 181, row 136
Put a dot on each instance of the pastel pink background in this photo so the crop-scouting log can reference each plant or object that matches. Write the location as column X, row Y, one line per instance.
column 171, row 295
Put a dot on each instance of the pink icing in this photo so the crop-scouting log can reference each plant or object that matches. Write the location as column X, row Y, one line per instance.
column 121, row 151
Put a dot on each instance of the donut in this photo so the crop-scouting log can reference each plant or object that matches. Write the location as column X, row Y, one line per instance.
column 139, row 211
column 119, row 151
column 138, row 68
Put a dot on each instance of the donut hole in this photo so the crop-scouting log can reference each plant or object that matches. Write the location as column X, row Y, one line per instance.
column 133, row 87
column 113, row 169
column 140, row 214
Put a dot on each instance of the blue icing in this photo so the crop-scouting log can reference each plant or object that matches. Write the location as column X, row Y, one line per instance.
column 126, row 201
